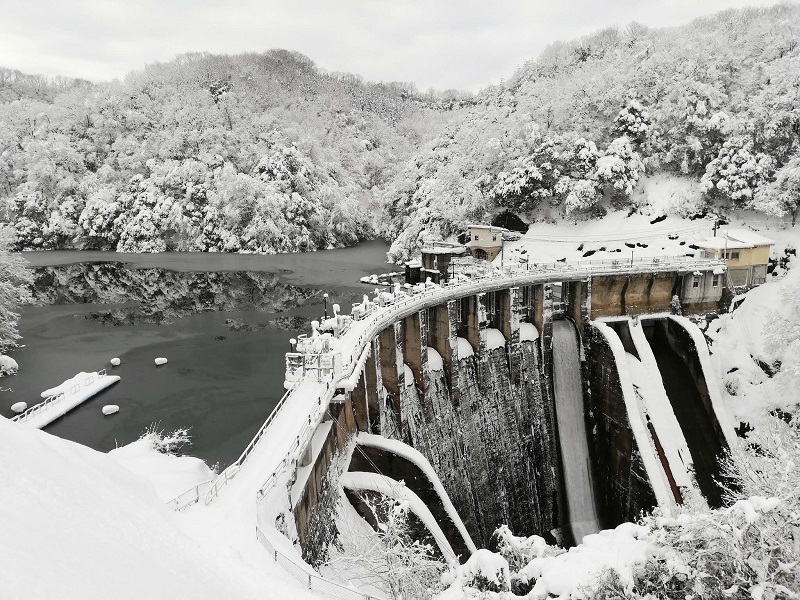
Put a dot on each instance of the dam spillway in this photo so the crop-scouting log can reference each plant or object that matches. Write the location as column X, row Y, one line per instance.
column 583, row 518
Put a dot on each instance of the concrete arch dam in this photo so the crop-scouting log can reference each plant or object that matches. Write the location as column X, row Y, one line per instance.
column 515, row 392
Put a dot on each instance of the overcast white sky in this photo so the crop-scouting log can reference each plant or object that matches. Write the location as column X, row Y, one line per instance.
column 443, row 44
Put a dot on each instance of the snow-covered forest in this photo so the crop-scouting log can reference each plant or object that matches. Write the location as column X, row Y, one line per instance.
column 266, row 153
column 252, row 153
column 716, row 101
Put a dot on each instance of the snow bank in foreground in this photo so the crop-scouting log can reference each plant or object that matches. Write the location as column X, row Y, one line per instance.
column 91, row 531
column 170, row 475
column 562, row 575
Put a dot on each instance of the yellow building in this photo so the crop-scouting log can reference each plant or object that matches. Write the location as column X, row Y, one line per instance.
column 746, row 252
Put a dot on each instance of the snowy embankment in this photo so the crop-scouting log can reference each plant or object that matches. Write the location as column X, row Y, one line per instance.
column 756, row 350
column 63, row 398
column 417, row 458
column 97, row 531
column 170, row 475
column 637, row 421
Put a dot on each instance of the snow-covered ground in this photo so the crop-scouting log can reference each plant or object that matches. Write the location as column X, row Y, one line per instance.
column 76, row 525
column 170, row 475
column 756, row 350
column 656, row 229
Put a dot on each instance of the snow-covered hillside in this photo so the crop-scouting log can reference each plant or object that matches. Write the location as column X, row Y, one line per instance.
column 76, row 525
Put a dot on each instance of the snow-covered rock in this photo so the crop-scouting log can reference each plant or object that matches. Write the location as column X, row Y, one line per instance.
column 110, row 409
column 115, row 362
column 160, row 361
column 8, row 366
column 19, row 407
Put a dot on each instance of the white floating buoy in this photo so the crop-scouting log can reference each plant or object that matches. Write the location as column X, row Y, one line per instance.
column 110, row 409
column 161, row 361
column 19, row 407
column 115, row 362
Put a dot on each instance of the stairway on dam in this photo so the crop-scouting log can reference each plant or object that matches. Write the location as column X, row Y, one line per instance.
column 572, row 431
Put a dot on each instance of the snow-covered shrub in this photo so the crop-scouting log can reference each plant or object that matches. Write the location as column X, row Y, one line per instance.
column 731, row 382
column 485, row 571
column 167, row 443
column 389, row 556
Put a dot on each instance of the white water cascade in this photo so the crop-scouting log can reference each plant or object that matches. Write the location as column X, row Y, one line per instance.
column 572, row 431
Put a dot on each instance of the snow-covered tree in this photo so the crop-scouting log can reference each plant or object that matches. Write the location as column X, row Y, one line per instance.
column 14, row 281
column 580, row 195
column 619, row 168
column 531, row 180
column 737, row 171
column 633, row 122
column 782, row 196
column 389, row 557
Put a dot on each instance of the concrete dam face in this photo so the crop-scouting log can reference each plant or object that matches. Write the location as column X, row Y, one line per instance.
column 493, row 446
column 555, row 417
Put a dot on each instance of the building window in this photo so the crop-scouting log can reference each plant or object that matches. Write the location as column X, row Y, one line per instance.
column 715, row 281
column 735, row 256
column 494, row 238
column 476, row 238
column 696, row 282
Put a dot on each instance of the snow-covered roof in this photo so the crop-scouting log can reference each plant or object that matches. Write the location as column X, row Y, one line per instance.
column 444, row 249
column 736, row 238
column 492, row 228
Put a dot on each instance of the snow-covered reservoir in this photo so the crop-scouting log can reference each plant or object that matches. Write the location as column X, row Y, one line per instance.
column 63, row 398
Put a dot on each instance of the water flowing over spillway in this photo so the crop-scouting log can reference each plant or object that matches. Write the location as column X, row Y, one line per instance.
column 572, row 431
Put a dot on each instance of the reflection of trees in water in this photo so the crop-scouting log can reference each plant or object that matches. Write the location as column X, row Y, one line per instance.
column 161, row 296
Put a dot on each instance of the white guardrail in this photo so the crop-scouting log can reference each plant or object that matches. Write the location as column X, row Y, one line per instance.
column 56, row 398
column 372, row 325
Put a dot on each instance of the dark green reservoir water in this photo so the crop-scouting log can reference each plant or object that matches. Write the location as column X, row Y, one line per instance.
column 223, row 321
